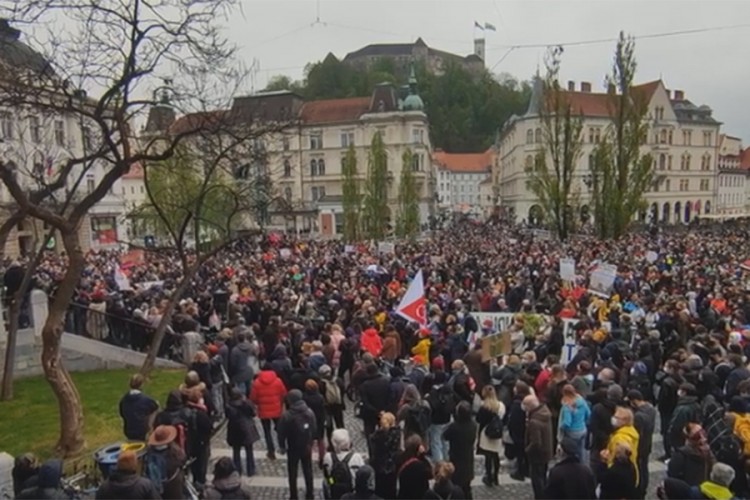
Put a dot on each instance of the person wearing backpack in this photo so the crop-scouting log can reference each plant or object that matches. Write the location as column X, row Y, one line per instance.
column 340, row 466
column 461, row 436
column 227, row 483
column 333, row 393
column 415, row 414
column 241, row 430
column 296, row 431
column 442, row 401
column 163, row 462
column 489, row 418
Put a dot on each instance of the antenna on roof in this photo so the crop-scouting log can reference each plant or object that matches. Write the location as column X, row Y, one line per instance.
column 317, row 15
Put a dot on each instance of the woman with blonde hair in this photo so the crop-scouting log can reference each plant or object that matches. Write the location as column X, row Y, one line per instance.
column 489, row 417
column 385, row 444
column 443, row 486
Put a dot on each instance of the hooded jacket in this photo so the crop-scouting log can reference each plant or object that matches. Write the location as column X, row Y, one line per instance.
column 296, row 427
column 127, row 485
column 281, row 363
column 371, row 342
column 241, row 360
column 48, row 484
column 626, row 435
column 228, row 487
column 690, row 465
column 268, row 392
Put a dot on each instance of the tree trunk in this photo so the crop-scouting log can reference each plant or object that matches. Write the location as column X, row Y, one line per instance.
column 71, row 440
column 161, row 329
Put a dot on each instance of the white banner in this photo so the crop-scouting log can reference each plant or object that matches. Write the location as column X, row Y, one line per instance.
column 602, row 280
column 386, row 247
column 651, row 256
column 567, row 269
column 503, row 321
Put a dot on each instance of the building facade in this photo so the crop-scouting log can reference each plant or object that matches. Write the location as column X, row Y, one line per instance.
column 683, row 141
column 37, row 143
column 459, row 177
column 731, row 179
column 304, row 158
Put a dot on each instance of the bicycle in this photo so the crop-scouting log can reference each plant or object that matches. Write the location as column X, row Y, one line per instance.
column 74, row 490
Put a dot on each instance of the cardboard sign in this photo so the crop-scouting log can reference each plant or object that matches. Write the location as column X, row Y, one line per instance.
column 386, row 247
column 567, row 269
column 495, row 345
column 602, row 280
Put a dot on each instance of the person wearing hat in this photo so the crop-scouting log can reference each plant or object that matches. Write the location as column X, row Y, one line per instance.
column 227, row 483
column 570, row 478
column 163, row 462
column 125, row 483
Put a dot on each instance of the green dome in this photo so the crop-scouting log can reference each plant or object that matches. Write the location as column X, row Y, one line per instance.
column 413, row 103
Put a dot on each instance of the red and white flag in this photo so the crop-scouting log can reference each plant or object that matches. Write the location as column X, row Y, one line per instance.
column 121, row 279
column 413, row 304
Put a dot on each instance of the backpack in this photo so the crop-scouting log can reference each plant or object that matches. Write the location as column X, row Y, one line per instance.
column 155, row 468
column 442, row 402
column 339, row 478
column 333, row 393
column 418, row 419
column 303, row 430
column 494, row 429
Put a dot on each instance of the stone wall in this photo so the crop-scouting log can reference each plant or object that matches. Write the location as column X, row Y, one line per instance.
column 79, row 353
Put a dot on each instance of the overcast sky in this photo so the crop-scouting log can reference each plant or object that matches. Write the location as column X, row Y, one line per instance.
column 711, row 67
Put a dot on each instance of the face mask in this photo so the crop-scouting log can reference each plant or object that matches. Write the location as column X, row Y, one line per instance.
column 614, row 422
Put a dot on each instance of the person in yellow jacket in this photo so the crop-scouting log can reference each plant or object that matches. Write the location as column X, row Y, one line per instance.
column 624, row 434
column 422, row 349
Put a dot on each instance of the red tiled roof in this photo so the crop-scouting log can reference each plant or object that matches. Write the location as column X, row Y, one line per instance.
column 135, row 172
column 745, row 159
column 334, row 110
column 598, row 103
column 464, row 162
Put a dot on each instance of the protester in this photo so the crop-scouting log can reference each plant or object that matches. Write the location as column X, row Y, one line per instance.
column 316, row 403
column 574, row 415
column 340, row 466
column 48, row 483
column 571, row 478
column 645, row 424
column 25, row 473
column 296, row 431
column 241, row 430
column 364, row 485
column 716, row 488
column 414, row 471
column 385, row 447
column 125, row 483
column 268, row 393
column 489, row 418
column 136, row 410
column 163, row 462
column 692, row 462
column 333, row 393
column 444, row 487
column 539, row 449
column 227, row 483
column 242, row 358
column 461, row 435
column 619, row 479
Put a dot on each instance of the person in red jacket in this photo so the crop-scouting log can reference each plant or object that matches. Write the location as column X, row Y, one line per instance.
column 268, row 393
column 371, row 341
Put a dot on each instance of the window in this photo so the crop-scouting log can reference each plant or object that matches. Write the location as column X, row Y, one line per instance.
column 594, row 134
column 684, row 184
column 669, row 162
column 529, row 136
column 670, row 137
column 87, row 141
column 667, row 185
column 287, row 168
column 104, row 230
column 60, row 132
column 316, row 140
column 89, row 183
column 538, row 136
column 417, row 160
column 687, row 137
column 704, row 184
column 529, row 162
column 685, row 162
column 662, row 161
column 142, row 189
column 347, row 139
column 663, row 137
column 6, row 125
column 321, row 167
column 707, row 160
column 288, row 194
column 313, row 167
column 707, row 138
column 35, row 129
column 132, row 190
column 317, row 192
column 417, row 136
column 285, row 143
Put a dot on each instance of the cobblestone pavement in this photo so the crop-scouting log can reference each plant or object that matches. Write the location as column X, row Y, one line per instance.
column 270, row 481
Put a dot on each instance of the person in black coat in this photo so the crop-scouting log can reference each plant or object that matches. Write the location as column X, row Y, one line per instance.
column 600, row 424
column 385, row 446
column 241, row 430
column 125, row 483
column 315, row 401
column 461, row 435
column 619, row 480
column 414, row 471
column 570, row 479
column 517, row 432
column 444, row 487
column 374, row 395
column 136, row 409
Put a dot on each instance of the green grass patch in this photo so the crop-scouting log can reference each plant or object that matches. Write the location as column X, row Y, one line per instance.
column 31, row 423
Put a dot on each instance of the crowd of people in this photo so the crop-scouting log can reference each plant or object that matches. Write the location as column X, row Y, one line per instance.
column 305, row 328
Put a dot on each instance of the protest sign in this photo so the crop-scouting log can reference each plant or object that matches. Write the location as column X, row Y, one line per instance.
column 567, row 269
column 285, row 253
column 386, row 247
column 651, row 256
column 602, row 280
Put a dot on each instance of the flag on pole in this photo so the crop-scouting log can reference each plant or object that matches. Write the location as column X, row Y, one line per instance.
column 477, row 25
column 413, row 305
column 122, row 281
column 490, row 27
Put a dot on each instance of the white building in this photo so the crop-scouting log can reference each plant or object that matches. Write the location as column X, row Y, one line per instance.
column 305, row 160
column 38, row 143
column 683, row 141
column 459, row 176
column 731, row 197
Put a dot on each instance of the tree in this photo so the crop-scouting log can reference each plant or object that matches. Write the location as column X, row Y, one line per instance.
column 620, row 173
column 116, row 50
column 375, row 210
column 283, row 82
column 552, row 172
column 352, row 201
column 407, row 224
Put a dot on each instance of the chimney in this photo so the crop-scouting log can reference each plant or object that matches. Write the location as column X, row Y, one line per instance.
column 571, row 86
column 7, row 32
column 679, row 95
column 585, row 86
